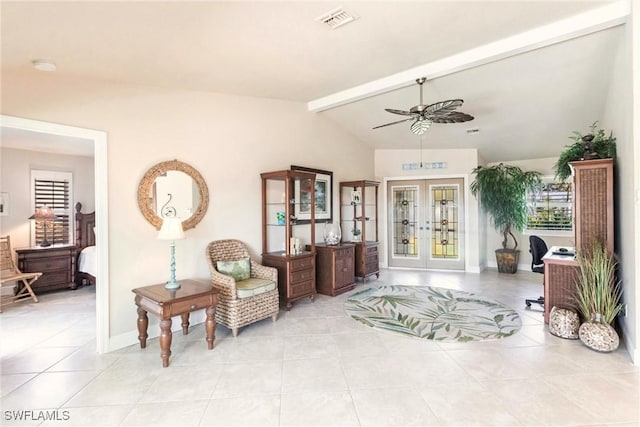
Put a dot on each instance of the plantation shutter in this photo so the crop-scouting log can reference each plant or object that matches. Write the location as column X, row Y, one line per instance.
column 53, row 189
column 550, row 208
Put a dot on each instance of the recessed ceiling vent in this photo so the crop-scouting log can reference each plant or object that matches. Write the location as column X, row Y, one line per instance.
column 336, row 18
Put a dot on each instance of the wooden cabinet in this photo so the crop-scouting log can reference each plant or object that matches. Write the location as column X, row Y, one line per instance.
column 593, row 221
column 593, row 203
column 287, row 244
column 335, row 268
column 56, row 263
column 359, row 223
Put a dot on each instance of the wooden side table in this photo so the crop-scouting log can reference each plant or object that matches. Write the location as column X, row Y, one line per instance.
column 164, row 303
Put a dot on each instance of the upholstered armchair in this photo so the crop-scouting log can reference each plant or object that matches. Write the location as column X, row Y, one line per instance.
column 248, row 290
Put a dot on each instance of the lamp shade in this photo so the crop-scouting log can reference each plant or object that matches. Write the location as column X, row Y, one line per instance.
column 171, row 229
column 44, row 213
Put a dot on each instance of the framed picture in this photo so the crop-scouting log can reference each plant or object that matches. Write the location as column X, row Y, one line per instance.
column 323, row 196
column 4, row 204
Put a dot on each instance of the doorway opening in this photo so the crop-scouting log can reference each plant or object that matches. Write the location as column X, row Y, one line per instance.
column 99, row 141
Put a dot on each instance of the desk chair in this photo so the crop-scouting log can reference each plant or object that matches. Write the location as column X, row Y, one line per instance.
column 538, row 248
column 10, row 273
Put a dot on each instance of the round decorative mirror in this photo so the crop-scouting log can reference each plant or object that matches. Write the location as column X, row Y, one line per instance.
column 173, row 189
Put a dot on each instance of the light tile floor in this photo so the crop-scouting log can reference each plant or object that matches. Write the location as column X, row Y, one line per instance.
column 313, row 367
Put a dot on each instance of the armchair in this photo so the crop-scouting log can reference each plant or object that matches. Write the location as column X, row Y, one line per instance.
column 244, row 296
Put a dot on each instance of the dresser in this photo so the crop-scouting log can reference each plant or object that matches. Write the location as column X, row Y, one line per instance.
column 367, row 262
column 335, row 268
column 56, row 263
column 296, row 276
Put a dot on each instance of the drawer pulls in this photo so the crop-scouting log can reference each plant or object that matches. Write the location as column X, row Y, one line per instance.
column 193, row 306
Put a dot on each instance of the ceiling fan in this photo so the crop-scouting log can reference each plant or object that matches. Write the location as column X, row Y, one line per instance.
column 424, row 115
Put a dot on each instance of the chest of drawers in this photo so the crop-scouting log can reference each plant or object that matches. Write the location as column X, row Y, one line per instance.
column 56, row 263
column 367, row 262
column 296, row 275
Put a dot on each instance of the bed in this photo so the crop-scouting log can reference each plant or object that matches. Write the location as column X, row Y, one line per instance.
column 86, row 247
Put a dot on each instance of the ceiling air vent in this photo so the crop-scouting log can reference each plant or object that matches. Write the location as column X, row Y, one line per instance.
column 336, row 18
column 473, row 130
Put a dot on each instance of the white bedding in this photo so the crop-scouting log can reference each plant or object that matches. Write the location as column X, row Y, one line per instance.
column 87, row 262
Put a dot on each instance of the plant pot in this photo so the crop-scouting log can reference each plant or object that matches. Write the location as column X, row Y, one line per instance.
column 599, row 335
column 507, row 260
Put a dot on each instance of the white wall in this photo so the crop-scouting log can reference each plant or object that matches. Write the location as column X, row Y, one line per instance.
column 16, row 166
column 230, row 140
column 618, row 117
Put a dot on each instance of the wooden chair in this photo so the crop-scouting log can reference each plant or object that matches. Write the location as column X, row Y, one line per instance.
column 242, row 302
column 10, row 273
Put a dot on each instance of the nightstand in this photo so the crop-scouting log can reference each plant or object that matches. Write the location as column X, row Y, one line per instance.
column 56, row 263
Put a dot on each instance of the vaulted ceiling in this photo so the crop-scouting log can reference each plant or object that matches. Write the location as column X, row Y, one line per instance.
column 529, row 72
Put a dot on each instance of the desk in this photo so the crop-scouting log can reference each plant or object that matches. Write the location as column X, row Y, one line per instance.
column 560, row 274
column 164, row 303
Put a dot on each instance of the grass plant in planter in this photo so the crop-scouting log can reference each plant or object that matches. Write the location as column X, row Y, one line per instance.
column 598, row 298
column 594, row 145
column 598, row 290
column 502, row 191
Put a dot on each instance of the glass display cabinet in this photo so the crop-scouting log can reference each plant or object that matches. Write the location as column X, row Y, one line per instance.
column 359, row 223
column 287, row 244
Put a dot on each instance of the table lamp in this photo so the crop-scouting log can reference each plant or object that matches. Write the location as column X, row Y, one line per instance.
column 44, row 214
column 172, row 230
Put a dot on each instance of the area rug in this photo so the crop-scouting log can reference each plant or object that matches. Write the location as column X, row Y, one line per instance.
column 433, row 313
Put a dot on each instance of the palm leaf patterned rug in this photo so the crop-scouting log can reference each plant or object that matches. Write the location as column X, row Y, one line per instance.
column 433, row 313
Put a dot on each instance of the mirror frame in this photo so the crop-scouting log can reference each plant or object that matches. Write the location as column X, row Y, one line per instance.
column 144, row 189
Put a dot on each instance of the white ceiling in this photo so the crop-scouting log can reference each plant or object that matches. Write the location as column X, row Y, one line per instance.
column 525, row 105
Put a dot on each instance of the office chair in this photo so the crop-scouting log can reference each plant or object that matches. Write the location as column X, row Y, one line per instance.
column 538, row 248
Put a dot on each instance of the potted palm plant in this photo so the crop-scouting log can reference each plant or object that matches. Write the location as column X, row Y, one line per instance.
column 594, row 145
column 598, row 298
column 502, row 191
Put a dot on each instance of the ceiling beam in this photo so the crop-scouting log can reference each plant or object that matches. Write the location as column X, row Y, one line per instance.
column 598, row 19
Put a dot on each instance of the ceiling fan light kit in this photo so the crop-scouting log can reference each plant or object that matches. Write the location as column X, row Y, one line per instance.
column 424, row 115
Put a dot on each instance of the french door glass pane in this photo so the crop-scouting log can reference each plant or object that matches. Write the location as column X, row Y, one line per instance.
column 405, row 221
column 444, row 214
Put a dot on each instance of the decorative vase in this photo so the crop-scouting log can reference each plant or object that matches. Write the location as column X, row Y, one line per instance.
column 599, row 335
column 332, row 233
column 564, row 323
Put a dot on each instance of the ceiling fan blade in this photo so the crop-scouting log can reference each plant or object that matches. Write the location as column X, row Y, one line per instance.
column 443, row 106
column 420, row 126
column 401, row 112
column 393, row 123
column 453, row 117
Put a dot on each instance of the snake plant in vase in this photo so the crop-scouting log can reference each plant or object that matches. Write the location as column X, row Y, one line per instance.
column 502, row 191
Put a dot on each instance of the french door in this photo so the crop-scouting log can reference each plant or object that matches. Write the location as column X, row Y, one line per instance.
column 426, row 223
